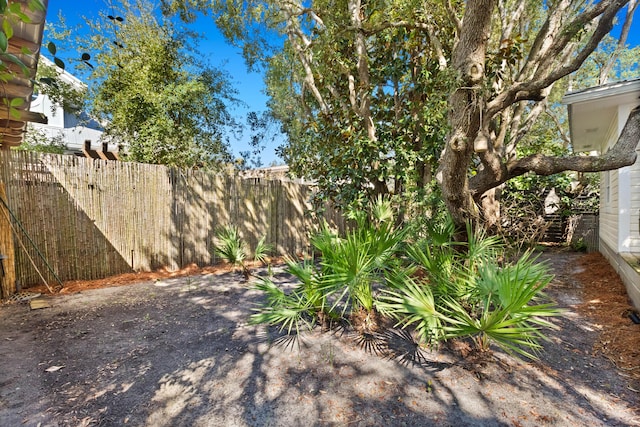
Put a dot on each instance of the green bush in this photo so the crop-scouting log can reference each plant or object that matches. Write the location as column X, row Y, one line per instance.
column 230, row 247
column 438, row 287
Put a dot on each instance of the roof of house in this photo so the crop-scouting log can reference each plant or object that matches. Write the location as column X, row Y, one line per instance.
column 27, row 37
column 593, row 112
column 64, row 75
column 605, row 90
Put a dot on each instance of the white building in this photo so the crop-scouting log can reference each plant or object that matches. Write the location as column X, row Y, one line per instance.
column 80, row 133
column 597, row 116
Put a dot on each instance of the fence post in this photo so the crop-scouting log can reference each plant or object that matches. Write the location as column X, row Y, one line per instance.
column 8, row 277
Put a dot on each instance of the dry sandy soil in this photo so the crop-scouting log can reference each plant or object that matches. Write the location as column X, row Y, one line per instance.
column 177, row 351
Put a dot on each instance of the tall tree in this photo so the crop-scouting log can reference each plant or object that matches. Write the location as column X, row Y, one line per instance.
column 154, row 94
column 354, row 138
column 500, row 108
column 346, row 64
column 364, row 113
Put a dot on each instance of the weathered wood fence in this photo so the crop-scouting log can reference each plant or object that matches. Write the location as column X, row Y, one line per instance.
column 94, row 218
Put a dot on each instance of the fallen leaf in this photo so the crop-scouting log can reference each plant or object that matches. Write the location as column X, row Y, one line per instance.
column 53, row 368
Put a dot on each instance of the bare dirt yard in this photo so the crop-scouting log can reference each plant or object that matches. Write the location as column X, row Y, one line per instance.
column 171, row 350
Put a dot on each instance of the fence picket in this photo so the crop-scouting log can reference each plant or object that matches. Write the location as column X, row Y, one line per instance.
column 96, row 218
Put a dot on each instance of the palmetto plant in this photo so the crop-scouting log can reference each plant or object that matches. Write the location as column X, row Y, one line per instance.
column 507, row 308
column 262, row 251
column 302, row 307
column 232, row 249
column 468, row 293
column 345, row 281
column 440, row 288
column 230, row 246
column 355, row 264
column 412, row 304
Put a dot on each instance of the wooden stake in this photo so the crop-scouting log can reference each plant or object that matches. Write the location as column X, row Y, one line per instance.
column 15, row 232
column 8, row 282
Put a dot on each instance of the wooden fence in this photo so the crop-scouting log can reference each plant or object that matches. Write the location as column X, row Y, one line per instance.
column 95, row 218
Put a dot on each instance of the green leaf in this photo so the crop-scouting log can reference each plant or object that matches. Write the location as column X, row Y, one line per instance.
column 24, row 17
column 51, row 46
column 3, row 42
column 16, row 102
column 14, row 113
column 85, row 57
column 59, row 62
column 18, row 62
column 5, row 77
column 36, row 5
column 15, row 8
column 7, row 28
column 231, row 246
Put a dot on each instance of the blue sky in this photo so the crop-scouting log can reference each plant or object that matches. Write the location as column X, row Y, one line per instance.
column 219, row 54
column 214, row 49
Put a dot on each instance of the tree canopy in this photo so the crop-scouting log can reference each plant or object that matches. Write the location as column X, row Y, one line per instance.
column 371, row 93
column 154, row 94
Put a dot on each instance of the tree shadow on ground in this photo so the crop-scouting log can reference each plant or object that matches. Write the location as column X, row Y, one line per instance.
column 179, row 352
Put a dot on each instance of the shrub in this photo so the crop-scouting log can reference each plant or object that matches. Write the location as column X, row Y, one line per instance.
column 230, row 247
column 233, row 249
column 473, row 293
column 438, row 287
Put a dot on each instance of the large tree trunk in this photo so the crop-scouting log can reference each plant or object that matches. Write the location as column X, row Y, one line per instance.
column 464, row 111
column 490, row 202
column 553, row 56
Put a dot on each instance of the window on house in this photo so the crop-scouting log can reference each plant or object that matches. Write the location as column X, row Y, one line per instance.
column 87, row 144
column 105, row 147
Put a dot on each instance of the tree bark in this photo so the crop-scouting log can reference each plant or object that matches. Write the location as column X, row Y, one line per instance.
column 490, row 202
column 468, row 61
column 556, row 52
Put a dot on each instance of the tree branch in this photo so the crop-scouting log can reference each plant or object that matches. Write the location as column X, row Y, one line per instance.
column 545, row 75
column 309, row 79
column 622, row 40
column 623, row 153
column 454, row 17
column 364, row 110
column 565, row 138
column 509, row 17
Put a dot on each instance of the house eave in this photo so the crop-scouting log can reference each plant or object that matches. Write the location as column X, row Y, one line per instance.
column 593, row 112
column 25, row 44
column 608, row 90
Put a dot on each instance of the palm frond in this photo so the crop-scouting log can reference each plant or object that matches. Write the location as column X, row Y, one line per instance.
column 230, row 246
column 412, row 303
column 382, row 210
column 262, row 251
column 290, row 311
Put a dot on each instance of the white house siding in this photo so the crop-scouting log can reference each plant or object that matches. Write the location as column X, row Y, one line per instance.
column 626, row 240
column 608, row 228
column 621, row 246
column 634, row 226
column 55, row 114
column 627, row 267
column 609, row 209
column 624, row 209
column 620, row 189
column 74, row 130
column 620, row 202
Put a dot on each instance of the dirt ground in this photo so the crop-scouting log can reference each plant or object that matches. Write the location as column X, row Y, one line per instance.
column 175, row 350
